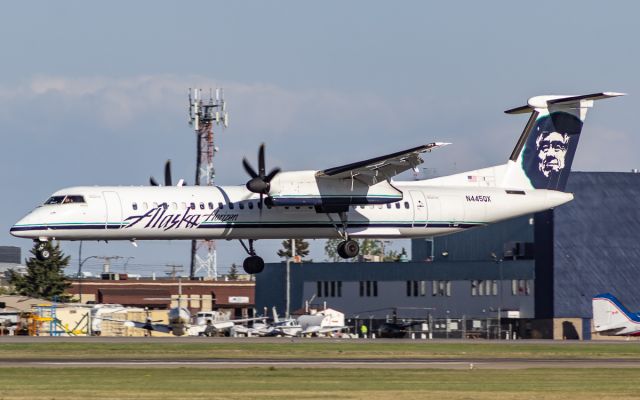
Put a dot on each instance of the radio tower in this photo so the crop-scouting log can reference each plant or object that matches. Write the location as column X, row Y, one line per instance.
column 202, row 117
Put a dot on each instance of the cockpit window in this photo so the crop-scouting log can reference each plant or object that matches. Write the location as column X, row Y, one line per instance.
column 65, row 199
column 54, row 200
column 73, row 199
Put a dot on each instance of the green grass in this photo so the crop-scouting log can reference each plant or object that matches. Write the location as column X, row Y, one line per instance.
column 316, row 349
column 277, row 383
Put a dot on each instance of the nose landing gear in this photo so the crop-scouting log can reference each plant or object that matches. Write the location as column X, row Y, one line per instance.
column 42, row 251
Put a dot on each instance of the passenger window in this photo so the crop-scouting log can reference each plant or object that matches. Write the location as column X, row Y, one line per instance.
column 134, row 206
column 155, row 205
column 221, row 206
column 388, row 205
column 231, row 206
column 398, row 205
column 202, row 206
column 174, row 206
column 145, row 205
column 241, row 205
column 406, row 204
column 165, row 205
column 210, row 206
column 193, row 206
column 250, row 204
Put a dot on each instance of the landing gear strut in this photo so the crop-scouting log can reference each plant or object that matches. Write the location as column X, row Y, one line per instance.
column 348, row 248
column 42, row 251
column 252, row 264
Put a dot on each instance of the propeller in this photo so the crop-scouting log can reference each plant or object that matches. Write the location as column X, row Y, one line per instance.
column 167, row 176
column 260, row 181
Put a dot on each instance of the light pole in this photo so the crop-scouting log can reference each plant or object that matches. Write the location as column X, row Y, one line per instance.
column 80, row 275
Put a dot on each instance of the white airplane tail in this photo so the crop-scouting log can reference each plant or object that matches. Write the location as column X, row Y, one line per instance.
column 612, row 317
column 544, row 153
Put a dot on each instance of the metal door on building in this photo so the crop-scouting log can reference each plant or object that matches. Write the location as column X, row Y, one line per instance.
column 114, row 209
column 419, row 209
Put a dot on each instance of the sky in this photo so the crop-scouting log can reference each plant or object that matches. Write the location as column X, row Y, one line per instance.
column 95, row 93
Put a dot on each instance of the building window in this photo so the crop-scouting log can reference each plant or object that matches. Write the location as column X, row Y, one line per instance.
column 416, row 288
column 368, row 289
column 484, row 288
column 441, row 288
column 521, row 287
column 329, row 289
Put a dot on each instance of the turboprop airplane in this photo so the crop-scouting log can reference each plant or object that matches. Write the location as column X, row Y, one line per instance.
column 357, row 200
column 612, row 318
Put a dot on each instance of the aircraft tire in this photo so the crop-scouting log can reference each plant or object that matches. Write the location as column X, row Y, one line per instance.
column 253, row 265
column 42, row 253
column 351, row 248
column 340, row 249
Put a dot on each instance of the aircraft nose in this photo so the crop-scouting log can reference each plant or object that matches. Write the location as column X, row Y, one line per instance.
column 26, row 227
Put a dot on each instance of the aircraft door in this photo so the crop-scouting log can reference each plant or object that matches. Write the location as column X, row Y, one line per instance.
column 419, row 209
column 114, row 209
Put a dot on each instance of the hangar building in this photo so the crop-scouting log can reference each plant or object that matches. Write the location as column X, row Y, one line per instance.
column 534, row 275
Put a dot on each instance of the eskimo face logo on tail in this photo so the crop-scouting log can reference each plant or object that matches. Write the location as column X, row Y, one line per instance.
column 549, row 150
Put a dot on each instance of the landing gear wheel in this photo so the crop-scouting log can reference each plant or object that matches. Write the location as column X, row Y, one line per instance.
column 340, row 249
column 348, row 249
column 253, row 265
column 42, row 252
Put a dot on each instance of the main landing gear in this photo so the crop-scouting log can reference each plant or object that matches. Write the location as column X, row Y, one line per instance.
column 253, row 264
column 42, row 251
column 348, row 248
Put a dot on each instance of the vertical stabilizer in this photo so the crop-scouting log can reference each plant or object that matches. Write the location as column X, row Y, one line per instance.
column 612, row 317
column 544, row 153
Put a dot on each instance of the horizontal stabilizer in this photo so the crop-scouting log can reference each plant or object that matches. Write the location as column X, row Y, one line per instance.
column 546, row 101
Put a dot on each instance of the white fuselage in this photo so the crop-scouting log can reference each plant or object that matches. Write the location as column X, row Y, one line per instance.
column 427, row 208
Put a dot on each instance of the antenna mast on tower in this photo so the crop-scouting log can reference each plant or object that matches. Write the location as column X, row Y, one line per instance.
column 202, row 117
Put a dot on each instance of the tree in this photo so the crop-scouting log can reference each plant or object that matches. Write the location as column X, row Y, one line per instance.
column 44, row 279
column 331, row 249
column 302, row 248
column 233, row 272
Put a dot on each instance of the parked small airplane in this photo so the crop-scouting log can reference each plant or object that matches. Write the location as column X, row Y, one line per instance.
column 181, row 322
column 357, row 200
column 612, row 318
column 322, row 322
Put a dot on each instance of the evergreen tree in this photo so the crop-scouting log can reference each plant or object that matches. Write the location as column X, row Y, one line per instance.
column 233, row 272
column 302, row 248
column 44, row 279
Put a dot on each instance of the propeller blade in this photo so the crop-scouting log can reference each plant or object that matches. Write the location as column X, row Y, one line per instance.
column 167, row 173
column 261, row 166
column 153, row 182
column 272, row 174
column 249, row 168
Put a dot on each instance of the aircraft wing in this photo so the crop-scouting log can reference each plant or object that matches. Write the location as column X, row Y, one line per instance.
column 141, row 325
column 381, row 168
